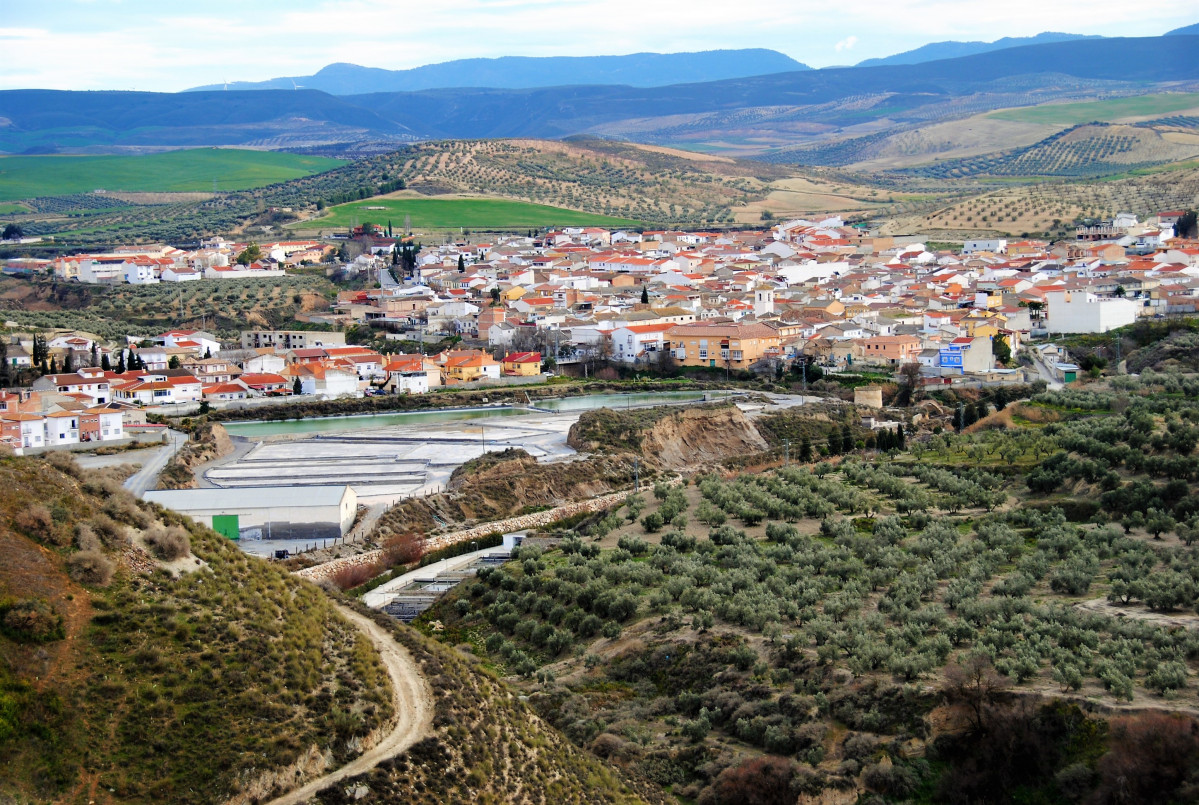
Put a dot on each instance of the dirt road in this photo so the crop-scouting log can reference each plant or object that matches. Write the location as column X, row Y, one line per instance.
column 411, row 696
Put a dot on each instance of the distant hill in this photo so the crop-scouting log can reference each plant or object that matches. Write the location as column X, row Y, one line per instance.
column 952, row 50
column 48, row 120
column 524, row 72
column 1189, row 30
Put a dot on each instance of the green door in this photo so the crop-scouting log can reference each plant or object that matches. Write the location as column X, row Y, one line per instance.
column 226, row 525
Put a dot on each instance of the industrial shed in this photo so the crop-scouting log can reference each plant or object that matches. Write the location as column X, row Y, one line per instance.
column 266, row 512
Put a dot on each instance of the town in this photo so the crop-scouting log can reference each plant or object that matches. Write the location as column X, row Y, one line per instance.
column 801, row 294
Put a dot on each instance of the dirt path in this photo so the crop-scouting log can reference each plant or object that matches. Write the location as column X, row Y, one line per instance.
column 411, row 696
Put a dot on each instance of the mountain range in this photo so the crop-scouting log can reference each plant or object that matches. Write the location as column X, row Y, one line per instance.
column 525, row 72
column 39, row 121
column 935, row 51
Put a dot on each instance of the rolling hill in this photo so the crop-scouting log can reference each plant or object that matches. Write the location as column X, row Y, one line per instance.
column 524, row 72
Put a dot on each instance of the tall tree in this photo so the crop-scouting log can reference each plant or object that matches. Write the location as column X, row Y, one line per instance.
column 296, row 386
column 805, row 450
column 461, row 264
column 105, row 363
column 5, row 367
column 644, row 294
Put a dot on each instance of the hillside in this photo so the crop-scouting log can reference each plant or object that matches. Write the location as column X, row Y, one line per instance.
column 593, row 176
column 487, row 746
column 195, row 678
column 523, row 72
column 1052, row 207
column 1001, row 615
column 1096, row 149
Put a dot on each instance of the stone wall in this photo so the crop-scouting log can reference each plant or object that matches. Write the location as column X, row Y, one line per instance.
column 323, row 571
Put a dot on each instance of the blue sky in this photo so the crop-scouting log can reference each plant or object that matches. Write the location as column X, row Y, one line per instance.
column 139, row 44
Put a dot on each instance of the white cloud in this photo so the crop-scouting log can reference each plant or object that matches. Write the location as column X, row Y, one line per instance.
column 846, row 44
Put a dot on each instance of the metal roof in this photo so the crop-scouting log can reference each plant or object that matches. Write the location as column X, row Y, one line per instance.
column 249, row 497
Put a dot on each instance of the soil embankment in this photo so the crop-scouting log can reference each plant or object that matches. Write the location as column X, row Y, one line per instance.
column 209, row 442
column 669, row 438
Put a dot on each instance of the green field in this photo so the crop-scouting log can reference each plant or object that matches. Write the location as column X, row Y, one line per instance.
column 452, row 213
column 12, row 209
column 192, row 170
column 1114, row 109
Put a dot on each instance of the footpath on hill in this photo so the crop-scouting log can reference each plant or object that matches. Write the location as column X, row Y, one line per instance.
column 413, row 701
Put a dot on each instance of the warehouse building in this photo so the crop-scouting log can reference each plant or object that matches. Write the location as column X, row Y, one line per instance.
column 266, row 512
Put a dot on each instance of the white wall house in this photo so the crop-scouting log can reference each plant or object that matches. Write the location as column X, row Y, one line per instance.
column 140, row 274
column 1083, row 312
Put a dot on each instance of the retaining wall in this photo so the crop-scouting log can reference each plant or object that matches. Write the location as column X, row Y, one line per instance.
column 520, row 523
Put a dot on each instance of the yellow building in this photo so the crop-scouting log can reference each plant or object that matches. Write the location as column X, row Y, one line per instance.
column 522, row 364
column 735, row 346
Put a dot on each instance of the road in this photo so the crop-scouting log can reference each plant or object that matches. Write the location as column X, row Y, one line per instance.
column 147, row 477
column 1045, row 374
column 411, row 697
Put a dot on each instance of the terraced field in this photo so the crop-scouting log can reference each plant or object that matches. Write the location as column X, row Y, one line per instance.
column 1082, row 151
column 1052, row 207
column 452, row 213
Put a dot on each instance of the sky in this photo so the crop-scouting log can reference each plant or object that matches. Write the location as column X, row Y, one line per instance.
column 166, row 45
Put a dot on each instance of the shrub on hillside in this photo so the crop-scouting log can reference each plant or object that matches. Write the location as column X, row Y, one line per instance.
column 110, row 532
column 31, row 621
column 351, row 576
column 168, row 544
column 85, row 538
column 403, row 549
column 91, row 567
column 35, row 521
column 765, row 780
column 65, row 462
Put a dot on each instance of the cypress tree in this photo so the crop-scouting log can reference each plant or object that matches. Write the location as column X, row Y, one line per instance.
column 834, row 442
column 847, row 440
column 805, row 450
column 644, row 294
column 900, row 441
